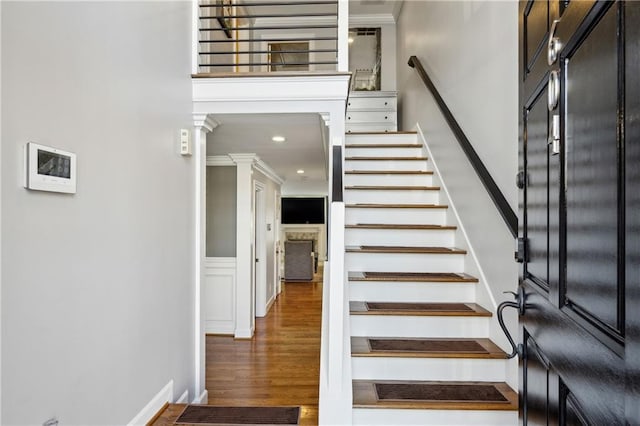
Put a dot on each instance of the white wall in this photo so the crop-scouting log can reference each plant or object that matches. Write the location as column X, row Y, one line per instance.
column 303, row 188
column 221, row 211
column 469, row 48
column 271, row 235
column 97, row 293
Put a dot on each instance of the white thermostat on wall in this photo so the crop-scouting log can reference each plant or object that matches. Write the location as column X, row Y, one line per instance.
column 50, row 169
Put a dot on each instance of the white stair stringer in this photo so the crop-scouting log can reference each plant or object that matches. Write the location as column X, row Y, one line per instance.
column 402, row 219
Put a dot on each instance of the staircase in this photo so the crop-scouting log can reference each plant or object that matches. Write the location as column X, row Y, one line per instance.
column 419, row 343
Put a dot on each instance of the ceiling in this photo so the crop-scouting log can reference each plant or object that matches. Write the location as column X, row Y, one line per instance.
column 252, row 133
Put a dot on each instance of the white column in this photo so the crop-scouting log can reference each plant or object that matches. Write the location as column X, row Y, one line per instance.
column 245, row 294
column 203, row 124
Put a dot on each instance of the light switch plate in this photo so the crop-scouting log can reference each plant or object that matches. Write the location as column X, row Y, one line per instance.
column 185, row 142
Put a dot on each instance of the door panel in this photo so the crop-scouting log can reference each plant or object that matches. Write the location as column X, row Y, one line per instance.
column 537, row 189
column 591, row 158
column 579, row 214
column 632, row 216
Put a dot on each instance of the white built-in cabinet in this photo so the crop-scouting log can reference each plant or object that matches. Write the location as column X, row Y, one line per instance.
column 372, row 111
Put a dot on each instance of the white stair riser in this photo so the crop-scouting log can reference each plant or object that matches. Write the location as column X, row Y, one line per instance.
column 394, row 197
column 400, row 237
column 383, row 152
column 388, row 180
column 396, row 216
column 385, row 165
column 455, row 369
column 386, row 139
column 384, row 291
column 383, row 416
column 419, row 326
column 404, row 262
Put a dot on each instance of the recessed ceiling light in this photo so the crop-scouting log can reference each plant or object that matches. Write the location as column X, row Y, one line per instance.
column 278, row 139
column 350, row 39
column 300, row 171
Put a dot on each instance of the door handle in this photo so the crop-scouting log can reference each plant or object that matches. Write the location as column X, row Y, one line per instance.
column 519, row 304
column 553, row 90
column 554, row 45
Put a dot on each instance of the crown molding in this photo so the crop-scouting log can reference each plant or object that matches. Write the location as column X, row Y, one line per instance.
column 204, row 121
column 266, row 170
column 326, row 118
column 219, row 160
column 243, row 158
column 372, row 19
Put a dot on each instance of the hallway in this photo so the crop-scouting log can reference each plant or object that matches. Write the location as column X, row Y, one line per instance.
column 280, row 365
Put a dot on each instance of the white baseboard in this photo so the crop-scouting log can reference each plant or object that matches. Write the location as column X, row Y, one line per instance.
column 151, row 409
column 184, row 398
column 243, row 333
column 202, row 399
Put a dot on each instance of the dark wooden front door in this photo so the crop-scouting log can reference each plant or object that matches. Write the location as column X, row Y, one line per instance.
column 580, row 212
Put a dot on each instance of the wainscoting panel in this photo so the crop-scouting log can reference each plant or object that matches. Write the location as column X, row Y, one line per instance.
column 219, row 295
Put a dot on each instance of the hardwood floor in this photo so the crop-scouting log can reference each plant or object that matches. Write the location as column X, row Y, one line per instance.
column 280, row 366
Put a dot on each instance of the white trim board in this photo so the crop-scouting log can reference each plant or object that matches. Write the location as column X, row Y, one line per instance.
column 151, row 409
column 203, row 398
column 184, row 398
column 372, row 19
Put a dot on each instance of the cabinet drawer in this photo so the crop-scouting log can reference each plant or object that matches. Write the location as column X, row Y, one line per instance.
column 371, row 117
column 385, row 103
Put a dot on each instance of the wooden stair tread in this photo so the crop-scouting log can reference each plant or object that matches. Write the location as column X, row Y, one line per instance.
column 388, row 172
column 444, row 395
column 383, row 145
column 418, row 309
column 396, row 206
column 399, row 226
column 386, row 158
column 393, row 188
column 412, row 276
column 425, row 348
column 404, row 249
column 397, row 132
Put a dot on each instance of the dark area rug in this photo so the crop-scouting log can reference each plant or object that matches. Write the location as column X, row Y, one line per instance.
column 433, row 275
column 438, row 392
column 210, row 415
column 383, row 306
column 391, row 345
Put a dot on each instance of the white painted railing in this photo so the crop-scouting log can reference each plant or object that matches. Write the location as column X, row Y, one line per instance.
column 335, row 359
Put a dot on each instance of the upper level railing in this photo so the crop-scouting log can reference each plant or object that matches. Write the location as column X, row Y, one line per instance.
column 268, row 36
column 501, row 203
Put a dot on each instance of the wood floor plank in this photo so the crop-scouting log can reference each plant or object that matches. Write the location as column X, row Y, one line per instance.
column 280, row 365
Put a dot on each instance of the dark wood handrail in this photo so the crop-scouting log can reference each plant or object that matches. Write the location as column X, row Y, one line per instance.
column 496, row 195
column 336, row 191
